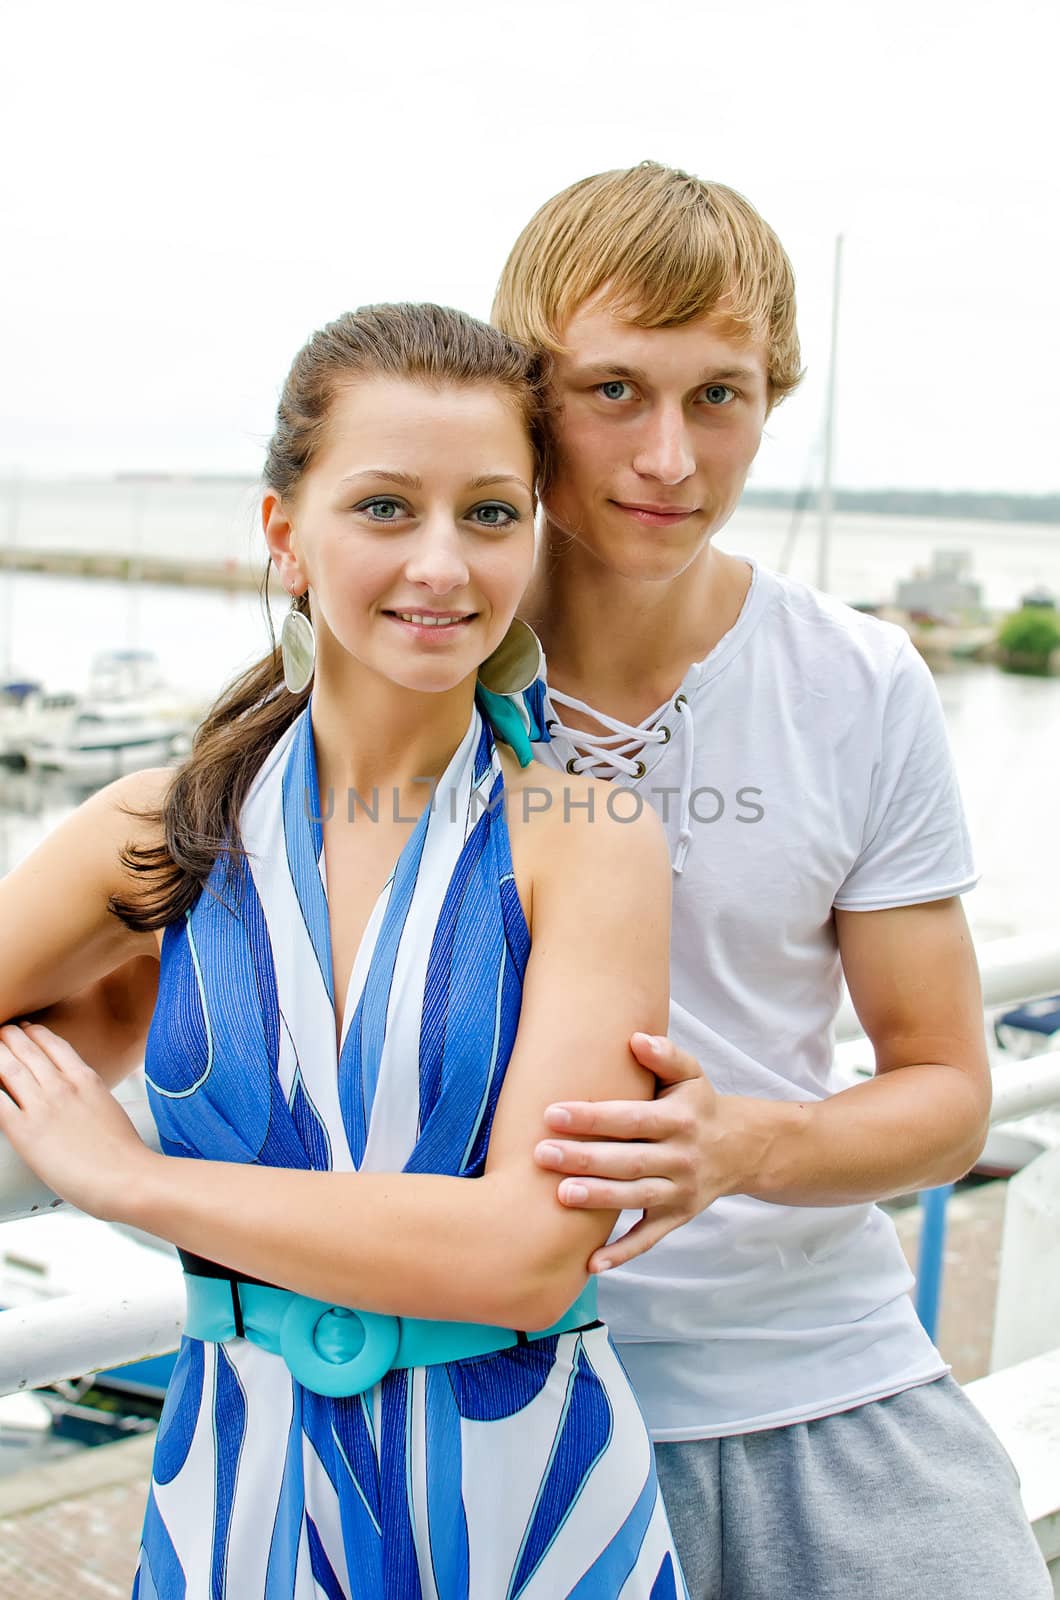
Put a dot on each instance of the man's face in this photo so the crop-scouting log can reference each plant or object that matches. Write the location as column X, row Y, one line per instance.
column 655, row 431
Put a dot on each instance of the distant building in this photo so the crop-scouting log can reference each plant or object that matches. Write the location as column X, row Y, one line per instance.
column 1039, row 598
column 946, row 590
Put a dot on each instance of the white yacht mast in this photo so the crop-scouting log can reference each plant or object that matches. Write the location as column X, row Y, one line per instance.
column 7, row 625
column 824, row 501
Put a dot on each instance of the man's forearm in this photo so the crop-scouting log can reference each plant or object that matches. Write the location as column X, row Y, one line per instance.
column 904, row 1130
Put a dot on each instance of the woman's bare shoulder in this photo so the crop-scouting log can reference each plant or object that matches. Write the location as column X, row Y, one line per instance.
column 140, row 794
column 57, row 932
column 568, row 827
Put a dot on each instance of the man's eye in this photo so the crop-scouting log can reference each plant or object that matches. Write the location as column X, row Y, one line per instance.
column 495, row 515
column 719, row 394
column 381, row 510
column 613, row 389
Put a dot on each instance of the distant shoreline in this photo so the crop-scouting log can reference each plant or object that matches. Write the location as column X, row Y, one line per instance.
column 977, row 505
column 942, row 503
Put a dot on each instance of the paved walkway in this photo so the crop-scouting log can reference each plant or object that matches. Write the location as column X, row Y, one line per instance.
column 69, row 1530
column 969, row 1284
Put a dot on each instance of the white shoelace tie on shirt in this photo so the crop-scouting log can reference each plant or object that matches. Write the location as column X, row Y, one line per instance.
column 606, row 755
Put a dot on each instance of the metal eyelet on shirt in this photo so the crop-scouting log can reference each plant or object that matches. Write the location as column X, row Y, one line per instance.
column 550, row 725
column 666, row 735
column 639, row 770
column 572, row 764
column 682, row 700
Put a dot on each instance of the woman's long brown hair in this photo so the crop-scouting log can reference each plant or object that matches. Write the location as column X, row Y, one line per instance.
column 198, row 817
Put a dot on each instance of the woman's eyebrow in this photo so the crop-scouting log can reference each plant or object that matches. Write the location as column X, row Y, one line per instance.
column 409, row 480
column 486, row 478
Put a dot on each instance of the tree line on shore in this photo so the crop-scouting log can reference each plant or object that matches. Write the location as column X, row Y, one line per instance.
column 953, row 503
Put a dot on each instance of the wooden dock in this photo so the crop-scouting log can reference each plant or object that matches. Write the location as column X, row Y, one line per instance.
column 126, row 568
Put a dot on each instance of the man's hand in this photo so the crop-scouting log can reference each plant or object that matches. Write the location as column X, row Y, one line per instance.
column 667, row 1157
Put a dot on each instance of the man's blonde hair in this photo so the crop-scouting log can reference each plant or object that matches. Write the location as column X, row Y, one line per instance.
column 670, row 247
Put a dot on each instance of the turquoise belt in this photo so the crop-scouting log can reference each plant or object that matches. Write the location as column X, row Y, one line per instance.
column 335, row 1350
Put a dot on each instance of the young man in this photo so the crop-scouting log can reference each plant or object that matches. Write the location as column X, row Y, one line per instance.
column 811, row 1446
column 810, row 1442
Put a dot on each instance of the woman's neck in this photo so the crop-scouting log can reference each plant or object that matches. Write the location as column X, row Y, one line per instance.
column 375, row 735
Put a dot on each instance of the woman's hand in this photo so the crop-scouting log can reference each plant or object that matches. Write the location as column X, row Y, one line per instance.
column 63, row 1121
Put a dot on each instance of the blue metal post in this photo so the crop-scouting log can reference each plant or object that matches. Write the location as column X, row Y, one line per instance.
column 933, row 1204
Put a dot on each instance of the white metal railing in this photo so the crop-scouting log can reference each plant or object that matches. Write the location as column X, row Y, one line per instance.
column 74, row 1334
column 81, row 1333
column 1023, row 1087
column 22, row 1194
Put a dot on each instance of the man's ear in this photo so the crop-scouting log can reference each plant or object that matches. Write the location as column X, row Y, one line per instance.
column 282, row 542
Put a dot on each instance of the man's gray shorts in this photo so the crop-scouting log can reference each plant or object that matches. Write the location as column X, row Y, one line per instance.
column 911, row 1498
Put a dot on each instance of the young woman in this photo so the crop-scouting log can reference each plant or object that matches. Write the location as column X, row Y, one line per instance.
column 370, row 922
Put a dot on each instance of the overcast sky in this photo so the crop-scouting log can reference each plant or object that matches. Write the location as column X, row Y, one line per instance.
column 187, row 190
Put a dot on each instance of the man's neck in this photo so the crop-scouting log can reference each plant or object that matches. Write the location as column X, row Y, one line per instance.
column 623, row 645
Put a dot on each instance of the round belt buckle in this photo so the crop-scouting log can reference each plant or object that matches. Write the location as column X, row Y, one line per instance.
column 315, row 1335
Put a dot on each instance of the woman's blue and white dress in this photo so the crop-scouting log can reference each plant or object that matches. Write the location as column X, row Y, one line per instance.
column 526, row 1473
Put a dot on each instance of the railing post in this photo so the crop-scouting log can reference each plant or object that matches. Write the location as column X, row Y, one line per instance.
column 79, row 1333
column 933, row 1203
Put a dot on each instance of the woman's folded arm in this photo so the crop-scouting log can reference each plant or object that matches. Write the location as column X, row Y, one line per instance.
column 498, row 1249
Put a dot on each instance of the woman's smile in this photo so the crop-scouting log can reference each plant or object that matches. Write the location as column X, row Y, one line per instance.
column 435, row 628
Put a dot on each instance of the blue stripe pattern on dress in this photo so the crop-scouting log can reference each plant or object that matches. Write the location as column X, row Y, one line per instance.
column 304, row 843
column 363, row 1046
column 583, row 1435
column 176, row 1427
column 323, row 1572
column 446, row 1521
column 164, row 1578
column 230, row 1426
column 282, row 1569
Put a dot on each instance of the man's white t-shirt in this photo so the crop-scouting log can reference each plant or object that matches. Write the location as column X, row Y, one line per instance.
column 819, row 776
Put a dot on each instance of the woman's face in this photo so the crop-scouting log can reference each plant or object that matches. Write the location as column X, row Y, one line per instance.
column 414, row 529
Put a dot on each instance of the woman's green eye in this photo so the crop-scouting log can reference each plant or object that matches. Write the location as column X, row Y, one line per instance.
column 719, row 394
column 495, row 515
column 382, row 510
column 613, row 389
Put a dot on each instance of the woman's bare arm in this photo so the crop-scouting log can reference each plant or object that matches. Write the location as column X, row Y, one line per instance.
column 64, row 958
column 107, row 1022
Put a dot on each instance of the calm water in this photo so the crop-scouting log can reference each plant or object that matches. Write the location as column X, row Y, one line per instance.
column 1005, row 730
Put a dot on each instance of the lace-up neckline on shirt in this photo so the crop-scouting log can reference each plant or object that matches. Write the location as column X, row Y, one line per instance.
column 619, row 751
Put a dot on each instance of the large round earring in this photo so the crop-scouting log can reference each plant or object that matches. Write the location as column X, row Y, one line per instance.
column 515, row 663
column 298, row 649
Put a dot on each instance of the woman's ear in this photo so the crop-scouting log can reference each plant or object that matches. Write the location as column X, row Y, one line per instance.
column 281, row 540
